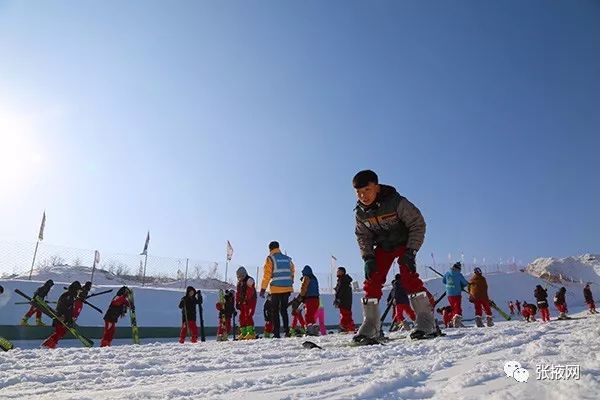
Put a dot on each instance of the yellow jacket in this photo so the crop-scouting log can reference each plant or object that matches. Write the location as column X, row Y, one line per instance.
column 268, row 275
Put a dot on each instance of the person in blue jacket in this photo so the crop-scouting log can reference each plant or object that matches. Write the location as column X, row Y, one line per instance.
column 455, row 283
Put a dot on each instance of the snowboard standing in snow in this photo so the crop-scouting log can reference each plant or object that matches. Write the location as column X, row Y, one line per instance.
column 135, row 334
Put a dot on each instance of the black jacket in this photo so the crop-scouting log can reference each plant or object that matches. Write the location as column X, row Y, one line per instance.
column 587, row 295
column 541, row 295
column 42, row 292
column 559, row 297
column 188, row 306
column 343, row 292
column 64, row 306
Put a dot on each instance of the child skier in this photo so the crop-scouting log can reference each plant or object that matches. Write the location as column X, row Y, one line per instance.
column 541, row 296
column 529, row 311
column 478, row 292
column 309, row 295
column 589, row 299
column 511, row 307
column 64, row 312
column 245, row 302
column 226, row 307
column 561, row 303
column 41, row 293
column 389, row 227
column 188, row 304
column 518, row 305
column 401, row 305
column 117, row 308
column 455, row 282
column 83, row 293
column 447, row 315
column 267, row 311
column 297, row 319
column 343, row 300
column 320, row 318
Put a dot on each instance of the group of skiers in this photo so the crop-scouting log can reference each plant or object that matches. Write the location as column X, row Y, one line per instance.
column 68, row 308
column 388, row 227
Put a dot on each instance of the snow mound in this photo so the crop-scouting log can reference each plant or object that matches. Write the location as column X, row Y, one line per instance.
column 580, row 269
column 68, row 273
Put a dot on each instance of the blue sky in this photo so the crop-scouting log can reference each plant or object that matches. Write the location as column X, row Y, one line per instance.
column 208, row 121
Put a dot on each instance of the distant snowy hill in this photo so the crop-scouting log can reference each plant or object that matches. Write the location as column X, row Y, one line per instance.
column 584, row 268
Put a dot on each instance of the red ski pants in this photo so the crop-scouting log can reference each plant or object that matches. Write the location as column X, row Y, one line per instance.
column 184, row 330
column 455, row 303
column 247, row 314
column 447, row 318
column 268, row 327
column 59, row 332
column 77, row 307
column 545, row 313
column 33, row 310
column 561, row 308
column 591, row 306
column 346, row 321
column 383, row 260
column 224, row 326
column 482, row 305
column 298, row 319
column 312, row 306
column 399, row 311
column 109, row 333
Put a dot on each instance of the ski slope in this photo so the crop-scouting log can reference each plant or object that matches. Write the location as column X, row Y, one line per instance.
column 467, row 364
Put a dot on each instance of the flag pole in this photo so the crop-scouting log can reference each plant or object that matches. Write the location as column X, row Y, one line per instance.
column 33, row 262
column 145, row 263
column 96, row 259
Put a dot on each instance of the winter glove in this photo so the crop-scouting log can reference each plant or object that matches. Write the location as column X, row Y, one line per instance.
column 409, row 259
column 262, row 293
column 370, row 267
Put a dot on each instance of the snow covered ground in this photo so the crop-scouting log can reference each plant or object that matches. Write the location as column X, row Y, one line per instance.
column 467, row 364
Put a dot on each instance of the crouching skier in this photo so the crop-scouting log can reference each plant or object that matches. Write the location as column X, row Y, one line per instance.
column 389, row 227
column 118, row 308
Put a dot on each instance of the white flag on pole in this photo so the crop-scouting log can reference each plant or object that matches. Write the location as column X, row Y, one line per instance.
column 229, row 251
column 42, row 226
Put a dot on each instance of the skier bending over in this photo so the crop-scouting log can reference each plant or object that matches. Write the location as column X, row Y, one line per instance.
column 560, row 302
column 389, row 227
column 64, row 312
column 118, row 308
column 529, row 311
column 40, row 293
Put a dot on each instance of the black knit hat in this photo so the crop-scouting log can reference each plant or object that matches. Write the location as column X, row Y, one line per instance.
column 457, row 266
column 363, row 178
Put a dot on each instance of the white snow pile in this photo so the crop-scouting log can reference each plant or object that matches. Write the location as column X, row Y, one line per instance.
column 466, row 364
column 69, row 273
column 581, row 269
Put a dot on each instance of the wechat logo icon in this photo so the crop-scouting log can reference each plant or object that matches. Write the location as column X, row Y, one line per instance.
column 513, row 369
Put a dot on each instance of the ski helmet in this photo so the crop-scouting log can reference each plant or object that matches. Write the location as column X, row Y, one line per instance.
column 241, row 273
column 477, row 270
column 49, row 282
column 74, row 287
column 123, row 290
column 457, row 266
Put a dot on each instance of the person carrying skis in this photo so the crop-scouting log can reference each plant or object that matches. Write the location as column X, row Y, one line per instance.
column 188, row 304
column 40, row 293
column 343, row 300
column 83, row 293
column 478, row 293
column 399, row 299
column 297, row 319
column 64, row 313
column 589, row 299
column 455, row 283
column 511, row 307
column 389, row 227
column 226, row 309
column 267, row 314
column 518, row 305
column 541, row 296
column 117, row 308
column 279, row 274
column 245, row 302
column 560, row 302
column 309, row 295
column 529, row 311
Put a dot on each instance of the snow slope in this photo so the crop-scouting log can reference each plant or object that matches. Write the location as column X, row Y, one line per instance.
column 584, row 268
column 467, row 364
